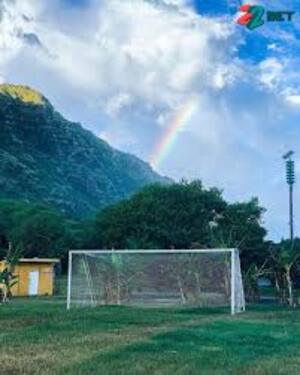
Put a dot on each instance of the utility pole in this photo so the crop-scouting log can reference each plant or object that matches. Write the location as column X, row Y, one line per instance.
column 290, row 179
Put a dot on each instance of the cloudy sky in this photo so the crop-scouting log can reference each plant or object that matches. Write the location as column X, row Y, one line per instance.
column 129, row 70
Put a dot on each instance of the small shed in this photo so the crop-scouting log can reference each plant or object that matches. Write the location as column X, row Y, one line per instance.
column 36, row 276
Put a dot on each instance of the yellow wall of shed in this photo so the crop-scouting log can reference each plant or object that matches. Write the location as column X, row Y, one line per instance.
column 22, row 270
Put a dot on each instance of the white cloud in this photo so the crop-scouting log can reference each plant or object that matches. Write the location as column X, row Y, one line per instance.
column 280, row 76
column 152, row 51
column 293, row 100
column 117, row 103
column 17, row 19
column 271, row 72
column 275, row 47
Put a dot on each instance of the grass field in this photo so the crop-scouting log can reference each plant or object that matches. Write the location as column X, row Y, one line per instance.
column 38, row 336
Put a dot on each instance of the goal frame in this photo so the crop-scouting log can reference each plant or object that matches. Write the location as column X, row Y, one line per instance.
column 233, row 253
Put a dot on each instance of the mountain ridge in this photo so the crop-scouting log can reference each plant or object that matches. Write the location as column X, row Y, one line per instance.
column 46, row 158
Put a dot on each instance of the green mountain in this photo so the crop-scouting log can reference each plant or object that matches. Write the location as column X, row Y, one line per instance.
column 46, row 158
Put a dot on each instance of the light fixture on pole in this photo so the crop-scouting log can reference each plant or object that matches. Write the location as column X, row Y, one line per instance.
column 290, row 179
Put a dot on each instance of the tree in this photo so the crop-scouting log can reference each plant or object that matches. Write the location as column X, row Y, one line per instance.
column 7, row 278
column 251, row 276
column 180, row 216
column 42, row 232
column 39, row 230
column 285, row 257
column 7, row 210
column 240, row 227
column 160, row 217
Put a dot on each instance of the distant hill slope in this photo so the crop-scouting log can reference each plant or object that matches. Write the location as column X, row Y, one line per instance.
column 44, row 157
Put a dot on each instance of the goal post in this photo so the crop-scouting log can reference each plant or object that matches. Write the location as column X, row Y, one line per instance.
column 156, row 278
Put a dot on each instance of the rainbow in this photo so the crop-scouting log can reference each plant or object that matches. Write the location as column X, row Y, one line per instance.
column 169, row 137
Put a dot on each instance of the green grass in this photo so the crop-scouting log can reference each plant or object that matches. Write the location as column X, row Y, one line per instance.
column 38, row 336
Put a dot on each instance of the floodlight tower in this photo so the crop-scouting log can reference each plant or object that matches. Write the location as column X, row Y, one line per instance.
column 290, row 179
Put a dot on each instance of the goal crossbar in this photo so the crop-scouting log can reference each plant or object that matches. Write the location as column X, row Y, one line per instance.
column 168, row 251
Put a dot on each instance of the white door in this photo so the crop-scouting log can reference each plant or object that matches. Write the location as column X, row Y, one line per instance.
column 33, row 283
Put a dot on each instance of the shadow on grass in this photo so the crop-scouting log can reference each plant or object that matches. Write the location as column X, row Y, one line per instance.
column 38, row 320
column 221, row 345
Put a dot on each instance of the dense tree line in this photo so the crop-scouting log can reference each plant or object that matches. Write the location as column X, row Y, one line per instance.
column 182, row 216
column 179, row 216
column 37, row 230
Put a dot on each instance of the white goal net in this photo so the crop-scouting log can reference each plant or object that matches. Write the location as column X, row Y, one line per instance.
column 156, row 278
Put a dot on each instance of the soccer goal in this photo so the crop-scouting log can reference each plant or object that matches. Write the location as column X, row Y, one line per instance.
column 156, row 278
